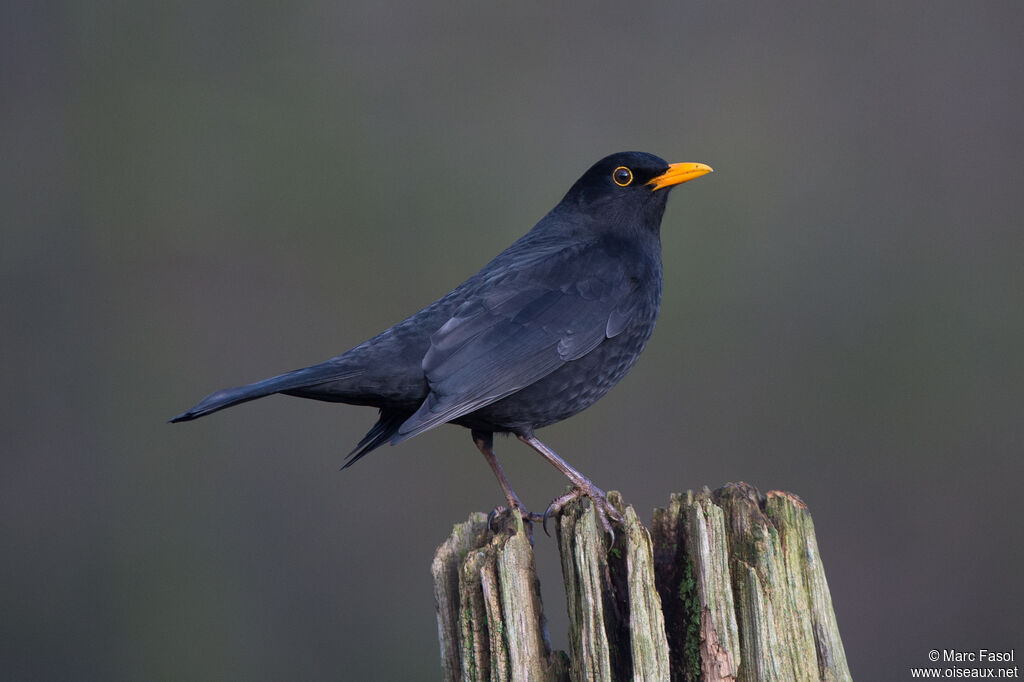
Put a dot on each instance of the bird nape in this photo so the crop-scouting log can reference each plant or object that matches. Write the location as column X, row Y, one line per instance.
column 540, row 333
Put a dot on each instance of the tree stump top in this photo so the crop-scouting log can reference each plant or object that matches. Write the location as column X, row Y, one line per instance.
column 725, row 585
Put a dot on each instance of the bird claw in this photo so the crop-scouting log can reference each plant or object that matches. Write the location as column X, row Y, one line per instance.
column 494, row 513
column 528, row 518
column 602, row 508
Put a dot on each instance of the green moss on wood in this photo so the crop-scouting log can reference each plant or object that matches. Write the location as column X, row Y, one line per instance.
column 727, row 585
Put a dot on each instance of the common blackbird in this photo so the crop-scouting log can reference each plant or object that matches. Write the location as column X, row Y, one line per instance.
column 540, row 333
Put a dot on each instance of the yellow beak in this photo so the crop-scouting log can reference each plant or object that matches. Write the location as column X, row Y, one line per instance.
column 679, row 173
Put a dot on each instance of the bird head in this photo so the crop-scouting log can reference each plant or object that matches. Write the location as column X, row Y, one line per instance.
column 630, row 186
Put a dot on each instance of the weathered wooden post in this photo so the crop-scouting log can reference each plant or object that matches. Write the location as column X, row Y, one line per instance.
column 727, row 585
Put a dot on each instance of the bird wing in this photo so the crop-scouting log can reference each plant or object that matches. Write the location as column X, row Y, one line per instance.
column 516, row 330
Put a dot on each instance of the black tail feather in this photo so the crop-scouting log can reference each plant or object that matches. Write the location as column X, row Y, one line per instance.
column 300, row 378
column 381, row 433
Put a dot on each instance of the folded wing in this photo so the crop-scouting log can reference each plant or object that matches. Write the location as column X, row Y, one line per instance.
column 507, row 337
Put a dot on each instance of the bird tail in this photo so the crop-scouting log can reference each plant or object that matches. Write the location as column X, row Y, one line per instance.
column 382, row 432
column 300, row 378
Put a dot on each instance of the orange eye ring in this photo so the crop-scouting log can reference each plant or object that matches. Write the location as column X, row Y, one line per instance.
column 622, row 176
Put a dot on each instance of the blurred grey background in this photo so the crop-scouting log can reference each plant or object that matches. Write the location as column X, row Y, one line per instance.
column 198, row 195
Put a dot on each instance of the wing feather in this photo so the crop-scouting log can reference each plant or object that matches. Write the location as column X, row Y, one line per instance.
column 515, row 332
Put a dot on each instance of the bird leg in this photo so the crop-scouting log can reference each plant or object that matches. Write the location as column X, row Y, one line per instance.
column 485, row 444
column 582, row 486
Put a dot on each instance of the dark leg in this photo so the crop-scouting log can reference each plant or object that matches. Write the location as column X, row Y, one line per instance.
column 582, row 486
column 485, row 444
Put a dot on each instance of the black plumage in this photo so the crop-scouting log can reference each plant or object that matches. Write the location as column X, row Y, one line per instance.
column 540, row 333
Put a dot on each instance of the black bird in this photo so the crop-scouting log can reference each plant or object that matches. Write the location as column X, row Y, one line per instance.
column 540, row 333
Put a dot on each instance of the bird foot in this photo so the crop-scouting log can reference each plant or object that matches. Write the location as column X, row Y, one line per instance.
column 604, row 509
column 504, row 514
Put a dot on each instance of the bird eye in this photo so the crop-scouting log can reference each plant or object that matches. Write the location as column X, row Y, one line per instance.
column 622, row 176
